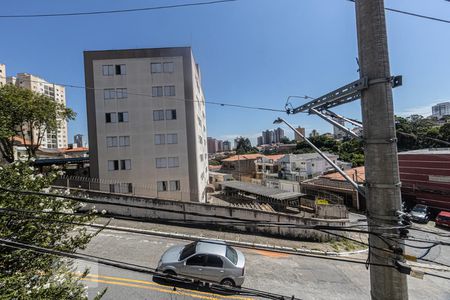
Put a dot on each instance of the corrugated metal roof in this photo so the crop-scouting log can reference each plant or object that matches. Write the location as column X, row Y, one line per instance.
column 260, row 190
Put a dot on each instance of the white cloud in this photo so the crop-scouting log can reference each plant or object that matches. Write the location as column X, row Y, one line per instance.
column 424, row 110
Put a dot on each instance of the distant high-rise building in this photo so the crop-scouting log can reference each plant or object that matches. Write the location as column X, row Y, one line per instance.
column 278, row 134
column 267, row 137
column 314, row 133
column 219, row 146
column 54, row 139
column 441, row 109
column 156, row 148
column 212, row 145
column 338, row 133
column 259, row 141
column 226, row 146
column 298, row 138
column 78, row 140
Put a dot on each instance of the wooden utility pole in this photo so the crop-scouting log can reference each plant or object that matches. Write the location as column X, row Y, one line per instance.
column 381, row 163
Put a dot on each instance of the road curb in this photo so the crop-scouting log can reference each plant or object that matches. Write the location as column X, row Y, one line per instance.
column 236, row 243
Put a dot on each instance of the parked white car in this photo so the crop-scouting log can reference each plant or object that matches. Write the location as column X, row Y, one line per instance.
column 207, row 260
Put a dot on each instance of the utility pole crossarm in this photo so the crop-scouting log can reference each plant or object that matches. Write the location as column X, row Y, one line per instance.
column 345, row 94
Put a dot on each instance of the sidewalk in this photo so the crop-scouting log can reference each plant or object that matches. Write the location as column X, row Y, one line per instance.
column 327, row 248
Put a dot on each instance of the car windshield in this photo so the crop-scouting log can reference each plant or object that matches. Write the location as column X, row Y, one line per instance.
column 188, row 250
column 231, row 254
column 420, row 209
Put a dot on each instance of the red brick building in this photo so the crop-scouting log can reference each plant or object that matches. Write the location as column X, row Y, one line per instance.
column 425, row 177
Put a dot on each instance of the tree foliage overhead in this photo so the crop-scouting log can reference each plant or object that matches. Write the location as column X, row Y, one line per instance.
column 25, row 274
column 27, row 115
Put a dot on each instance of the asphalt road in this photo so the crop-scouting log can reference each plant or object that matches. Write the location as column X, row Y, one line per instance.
column 304, row 277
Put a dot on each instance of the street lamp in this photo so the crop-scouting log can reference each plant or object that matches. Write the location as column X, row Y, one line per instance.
column 358, row 187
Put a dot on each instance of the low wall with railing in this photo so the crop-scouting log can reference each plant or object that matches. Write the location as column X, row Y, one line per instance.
column 212, row 215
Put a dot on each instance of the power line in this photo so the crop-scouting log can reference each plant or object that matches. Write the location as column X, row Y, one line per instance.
column 230, row 243
column 104, row 12
column 137, row 268
column 165, row 98
column 413, row 14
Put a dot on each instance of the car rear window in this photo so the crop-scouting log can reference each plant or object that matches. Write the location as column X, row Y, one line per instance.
column 188, row 250
column 231, row 254
column 443, row 218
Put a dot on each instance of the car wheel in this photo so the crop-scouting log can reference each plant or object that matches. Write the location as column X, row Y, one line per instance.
column 228, row 282
column 170, row 273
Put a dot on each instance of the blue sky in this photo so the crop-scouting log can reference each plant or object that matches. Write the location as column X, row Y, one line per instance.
column 251, row 52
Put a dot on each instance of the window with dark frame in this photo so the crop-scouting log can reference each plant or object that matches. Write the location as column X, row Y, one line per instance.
column 171, row 114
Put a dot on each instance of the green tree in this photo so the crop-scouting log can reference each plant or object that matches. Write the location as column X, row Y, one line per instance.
column 28, row 115
column 29, row 275
column 285, row 140
column 444, row 132
column 244, row 146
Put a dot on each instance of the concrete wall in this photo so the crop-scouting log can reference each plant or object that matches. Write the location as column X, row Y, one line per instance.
column 166, row 210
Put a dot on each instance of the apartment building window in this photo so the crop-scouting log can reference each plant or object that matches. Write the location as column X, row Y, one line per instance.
column 174, row 185
column 161, row 162
column 172, row 138
column 169, row 90
column 121, row 93
column 155, row 67
column 157, row 91
column 114, row 187
column 200, row 139
column 201, row 157
column 173, row 162
column 171, row 114
column 126, row 188
column 122, row 117
column 109, row 94
column 199, row 121
column 161, row 186
column 124, row 141
column 113, row 165
column 108, row 70
column 125, row 164
column 158, row 115
column 168, row 67
column 111, row 141
column 160, row 139
column 121, row 70
column 111, row 117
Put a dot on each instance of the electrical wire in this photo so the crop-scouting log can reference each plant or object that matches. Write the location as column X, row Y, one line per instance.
column 229, row 220
column 413, row 14
column 137, row 268
column 165, row 98
column 104, row 12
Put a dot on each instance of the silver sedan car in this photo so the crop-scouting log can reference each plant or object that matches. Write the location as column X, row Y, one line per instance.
column 207, row 260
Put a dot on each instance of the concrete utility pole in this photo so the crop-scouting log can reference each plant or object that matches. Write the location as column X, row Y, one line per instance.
column 381, row 163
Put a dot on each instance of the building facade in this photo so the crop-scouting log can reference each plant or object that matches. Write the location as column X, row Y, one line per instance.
column 278, row 134
column 78, row 140
column 440, row 110
column 267, row 137
column 2, row 74
column 147, row 122
column 298, row 138
column 338, row 133
column 51, row 140
column 212, row 145
column 226, row 146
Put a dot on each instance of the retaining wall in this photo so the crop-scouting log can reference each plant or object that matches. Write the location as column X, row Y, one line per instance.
column 214, row 215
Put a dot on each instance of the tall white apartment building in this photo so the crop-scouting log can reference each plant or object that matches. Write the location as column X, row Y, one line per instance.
column 55, row 139
column 147, row 122
column 441, row 109
column 2, row 74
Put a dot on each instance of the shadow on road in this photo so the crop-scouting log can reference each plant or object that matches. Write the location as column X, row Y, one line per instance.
column 189, row 285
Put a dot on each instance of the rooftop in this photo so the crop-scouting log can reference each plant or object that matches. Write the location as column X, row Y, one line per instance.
column 243, row 157
column 427, row 151
column 260, row 190
column 357, row 174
